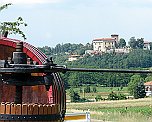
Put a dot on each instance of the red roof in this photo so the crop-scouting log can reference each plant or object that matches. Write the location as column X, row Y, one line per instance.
column 104, row 39
column 148, row 83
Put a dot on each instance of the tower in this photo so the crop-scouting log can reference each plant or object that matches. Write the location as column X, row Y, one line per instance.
column 116, row 37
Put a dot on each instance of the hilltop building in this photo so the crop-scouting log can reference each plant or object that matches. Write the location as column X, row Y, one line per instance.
column 146, row 45
column 105, row 44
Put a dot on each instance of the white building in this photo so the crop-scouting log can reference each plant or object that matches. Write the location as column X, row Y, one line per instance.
column 105, row 44
column 148, row 88
column 146, row 45
column 74, row 57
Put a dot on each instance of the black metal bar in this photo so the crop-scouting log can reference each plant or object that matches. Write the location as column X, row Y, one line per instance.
column 57, row 69
column 11, row 117
column 108, row 70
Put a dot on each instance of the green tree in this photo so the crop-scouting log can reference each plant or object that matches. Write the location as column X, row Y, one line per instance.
column 150, row 45
column 139, row 91
column 148, row 78
column 11, row 27
column 94, row 89
column 121, row 43
column 98, row 98
column 74, row 96
column 133, row 43
column 132, row 86
column 87, row 89
column 140, row 43
column 113, row 96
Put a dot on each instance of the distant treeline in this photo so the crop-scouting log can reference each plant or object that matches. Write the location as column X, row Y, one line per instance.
column 66, row 48
column 136, row 59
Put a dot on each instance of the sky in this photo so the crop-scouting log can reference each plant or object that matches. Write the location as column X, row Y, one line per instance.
column 51, row 22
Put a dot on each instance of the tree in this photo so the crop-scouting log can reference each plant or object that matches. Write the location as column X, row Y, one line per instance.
column 94, row 89
column 133, row 43
column 121, row 43
column 133, row 85
column 74, row 96
column 150, row 45
column 87, row 89
column 112, row 96
column 11, row 27
column 2, row 7
column 139, row 91
column 148, row 78
column 140, row 43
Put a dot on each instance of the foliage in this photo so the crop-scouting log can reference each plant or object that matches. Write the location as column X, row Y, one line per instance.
column 136, row 59
column 12, row 27
column 121, row 43
column 74, row 96
column 133, row 87
column 87, row 89
column 67, row 48
column 98, row 98
column 2, row 7
column 114, row 96
column 139, row 91
column 148, row 78
column 139, row 43
column 132, row 42
column 122, row 96
column 94, row 89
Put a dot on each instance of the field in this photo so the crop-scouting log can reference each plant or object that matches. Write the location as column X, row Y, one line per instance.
column 102, row 91
column 137, row 110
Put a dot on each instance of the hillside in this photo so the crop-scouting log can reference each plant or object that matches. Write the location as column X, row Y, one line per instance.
column 137, row 58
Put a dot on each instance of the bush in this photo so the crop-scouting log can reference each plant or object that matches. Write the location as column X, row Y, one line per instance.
column 114, row 96
column 75, row 97
column 98, row 98
column 94, row 89
column 122, row 97
column 87, row 89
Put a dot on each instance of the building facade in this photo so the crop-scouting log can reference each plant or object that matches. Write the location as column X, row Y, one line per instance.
column 105, row 44
column 148, row 88
column 146, row 45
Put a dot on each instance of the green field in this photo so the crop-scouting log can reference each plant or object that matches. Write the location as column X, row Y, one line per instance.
column 102, row 91
column 138, row 110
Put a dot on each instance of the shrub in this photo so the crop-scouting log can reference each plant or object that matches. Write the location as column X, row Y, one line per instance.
column 87, row 89
column 98, row 98
column 112, row 96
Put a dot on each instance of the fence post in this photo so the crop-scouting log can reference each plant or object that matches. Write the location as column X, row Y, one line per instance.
column 88, row 117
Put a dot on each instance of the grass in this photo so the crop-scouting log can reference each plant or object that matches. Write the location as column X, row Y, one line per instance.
column 102, row 91
column 138, row 110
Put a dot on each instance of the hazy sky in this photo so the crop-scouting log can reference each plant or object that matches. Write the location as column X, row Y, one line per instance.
column 80, row 21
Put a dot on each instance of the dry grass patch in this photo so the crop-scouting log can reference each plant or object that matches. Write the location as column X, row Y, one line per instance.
column 138, row 110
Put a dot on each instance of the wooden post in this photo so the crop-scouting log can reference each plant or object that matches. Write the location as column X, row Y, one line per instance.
column 40, row 110
column 13, row 107
column 8, row 110
column 30, row 110
column 24, row 110
column 2, row 110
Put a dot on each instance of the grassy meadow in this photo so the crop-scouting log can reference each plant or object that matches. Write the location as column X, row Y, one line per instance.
column 102, row 91
column 137, row 110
